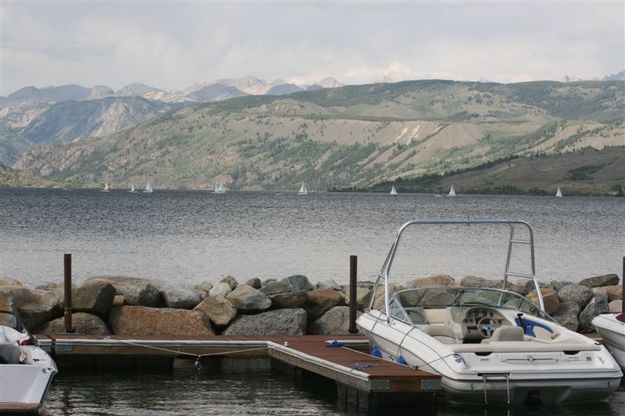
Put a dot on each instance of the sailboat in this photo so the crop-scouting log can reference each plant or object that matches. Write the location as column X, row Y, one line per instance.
column 132, row 188
column 393, row 191
column 452, row 192
column 302, row 190
column 219, row 189
column 107, row 187
column 558, row 193
column 148, row 188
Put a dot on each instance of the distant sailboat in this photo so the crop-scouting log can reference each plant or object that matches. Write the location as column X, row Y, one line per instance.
column 303, row 190
column 393, row 191
column 558, row 193
column 219, row 189
column 107, row 187
column 148, row 188
column 132, row 188
column 452, row 192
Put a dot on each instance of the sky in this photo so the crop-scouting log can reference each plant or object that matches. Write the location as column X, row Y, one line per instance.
column 172, row 45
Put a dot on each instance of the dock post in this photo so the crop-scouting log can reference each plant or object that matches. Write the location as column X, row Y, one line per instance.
column 67, row 285
column 623, row 286
column 353, row 301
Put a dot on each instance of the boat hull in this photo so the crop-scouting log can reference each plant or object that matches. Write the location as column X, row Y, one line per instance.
column 612, row 333
column 23, row 387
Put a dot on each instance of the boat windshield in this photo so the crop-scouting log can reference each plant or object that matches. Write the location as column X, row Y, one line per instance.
column 440, row 298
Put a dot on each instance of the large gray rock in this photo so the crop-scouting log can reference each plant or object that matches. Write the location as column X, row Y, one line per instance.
column 615, row 306
column 83, row 323
column 335, row 321
column 275, row 322
column 559, row 284
column 474, row 281
column 7, row 281
column 218, row 309
column 295, row 299
column 33, row 306
column 329, row 284
column 232, row 282
column 177, row 297
column 378, row 302
column 598, row 281
column 363, row 296
column 319, row 302
column 136, row 290
column 141, row 320
column 274, row 287
column 220, row 289
column 93, row 297
column 439, row 280
column 298, row 282
column 203, row 288
column 522, row 286
column 596, row 306
column 247, row 299
column 550, row 299
column 576, row 293
column 254, row 282
column 612, row 292
column 566, row 315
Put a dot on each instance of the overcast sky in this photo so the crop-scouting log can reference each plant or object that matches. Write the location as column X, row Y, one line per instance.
column 173, row 45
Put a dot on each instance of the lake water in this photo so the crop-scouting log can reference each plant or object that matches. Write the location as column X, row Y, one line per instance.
column 189, row 236
column 250, row 389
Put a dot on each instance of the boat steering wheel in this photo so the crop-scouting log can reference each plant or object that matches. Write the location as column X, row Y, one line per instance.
column 486, row 326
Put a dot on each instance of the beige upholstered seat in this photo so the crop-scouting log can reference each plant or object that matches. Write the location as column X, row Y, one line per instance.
column 506, row 333
column 441, row 333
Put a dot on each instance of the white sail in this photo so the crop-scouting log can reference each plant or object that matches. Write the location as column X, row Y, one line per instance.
column 452, row 192
column 559, row 193
column 107, row 187
column 302, row 190
column 219, row 189
column 132, row 187
column 148, row 188
column 393, row 191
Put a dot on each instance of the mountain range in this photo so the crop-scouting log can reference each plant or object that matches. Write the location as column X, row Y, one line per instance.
column 351, row 136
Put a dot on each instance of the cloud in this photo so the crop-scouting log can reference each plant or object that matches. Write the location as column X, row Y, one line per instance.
column 172, row 45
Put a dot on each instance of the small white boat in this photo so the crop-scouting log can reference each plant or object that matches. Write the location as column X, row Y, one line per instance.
column 107, row 187
column 219, row 189
column 132, row 188
column 452, row 192
column 558, row 193
column 490, row 346
column 611, row 327
column 148, row 188
column 26, row 371
column 302, row 190
column 393, row 191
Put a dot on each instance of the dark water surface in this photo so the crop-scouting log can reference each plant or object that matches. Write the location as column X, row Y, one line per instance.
column 251, row 389
column 188, row 236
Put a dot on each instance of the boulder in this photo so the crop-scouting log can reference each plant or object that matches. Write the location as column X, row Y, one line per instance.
column 559, row 284
column 616, row 306
column 596, row 306
column 329, row 284
column 298, row 282
column 295, row 299
column 439, row 280
column 136, row 290
column 232, row 282
column 276, row 322
column 603, row 280
column 550, row 298
column 335, row 321
column 203, row 288
column 57, row 288
column 95, row 297
column 474, row 281
column 142, row 320
column 218, row 310
column 378, row 302
column 179, row 297
column 612, row 292
column 254, row 282
column 220, row 289
column 8, row 319
column 274, row 287
column 288, row 284
column 522, row 286
column 7, row 281
column 247, row 299
column 566, row 315
column 363, row 297
column 83, row 323
column 319, row 302
column 119, row 300
column 33, row 306
column 576, row 293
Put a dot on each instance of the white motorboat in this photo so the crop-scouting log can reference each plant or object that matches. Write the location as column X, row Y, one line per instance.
column 393, row 191
column 26, row 371
column 302, row 190
column 611, row 327
column 489, row 345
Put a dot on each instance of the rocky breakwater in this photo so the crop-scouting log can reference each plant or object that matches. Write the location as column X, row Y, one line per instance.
column 105, row 305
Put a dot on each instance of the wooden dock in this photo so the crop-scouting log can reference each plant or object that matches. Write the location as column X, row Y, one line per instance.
column 361, row 379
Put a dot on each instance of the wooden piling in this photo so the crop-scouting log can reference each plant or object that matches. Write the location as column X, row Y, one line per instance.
column 623, row 287
column 353, row 301
column 67, row 285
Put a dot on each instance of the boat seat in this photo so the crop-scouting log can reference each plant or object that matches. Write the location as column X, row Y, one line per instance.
column 9, row 353
column 441, row 333
column 505, row 334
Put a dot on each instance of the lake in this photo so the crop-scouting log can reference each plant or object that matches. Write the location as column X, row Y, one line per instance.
column 190, row 236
